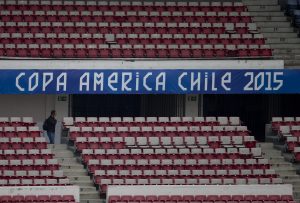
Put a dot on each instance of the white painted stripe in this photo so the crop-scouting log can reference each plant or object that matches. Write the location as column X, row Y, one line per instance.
column 141, row 64
column 42, row 190
column 282, row 189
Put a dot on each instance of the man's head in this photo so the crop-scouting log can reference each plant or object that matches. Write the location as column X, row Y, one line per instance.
column 53, row 113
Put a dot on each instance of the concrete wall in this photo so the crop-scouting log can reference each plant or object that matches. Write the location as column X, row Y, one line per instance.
column 192, row 105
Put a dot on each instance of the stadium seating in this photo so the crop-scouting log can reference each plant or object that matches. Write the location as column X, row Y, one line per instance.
column 101, row 29
column 200, row 198
column 37, row 199
column 24, row 157
column 163, row 151
column 288, row 130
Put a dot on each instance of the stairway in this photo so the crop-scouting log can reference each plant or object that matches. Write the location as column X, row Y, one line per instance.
column 285, row 169
column 277, row 29
column 76, row 172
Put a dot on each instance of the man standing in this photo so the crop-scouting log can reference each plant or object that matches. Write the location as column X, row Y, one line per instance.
column 49, row 126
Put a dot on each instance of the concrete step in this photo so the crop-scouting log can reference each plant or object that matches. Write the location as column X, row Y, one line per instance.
column 296, row 195
column 259, row 2
column 267, row 14
column 63, row 154
column 282, row 40
column 57, row 146
column 289, row 177
column 75, row 172
column 278, row 24
column 82, row 183
column 265, row 145
column 71, row 166
column 286, row 51
column 70, row 160
column 87, row 189
column 284, row 46
column 285, row 172
column 280, row 35
column 91, row 201
column 90, row 195
column 270, row 19
column 264, row 8
column 276, row 29
column 295, row 182
column 285, row 57
column 292, row 63
column 79, row 178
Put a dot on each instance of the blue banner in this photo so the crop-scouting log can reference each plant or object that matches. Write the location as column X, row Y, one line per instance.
column 123, row 81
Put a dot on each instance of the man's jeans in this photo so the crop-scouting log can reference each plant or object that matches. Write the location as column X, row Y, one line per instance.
column 51, row 137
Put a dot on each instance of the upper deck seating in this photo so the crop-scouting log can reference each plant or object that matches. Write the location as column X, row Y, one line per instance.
column 104, row 29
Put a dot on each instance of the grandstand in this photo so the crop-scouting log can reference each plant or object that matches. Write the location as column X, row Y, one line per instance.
column 157, row 101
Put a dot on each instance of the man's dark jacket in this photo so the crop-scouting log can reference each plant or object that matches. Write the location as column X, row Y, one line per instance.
column 51, row 122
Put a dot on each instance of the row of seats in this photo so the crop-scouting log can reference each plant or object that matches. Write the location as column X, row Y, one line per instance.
column 288, row 130
column 181, row 42
column 279, row 121
column 24, row 120
column 33, row 173
column 69, row 121
column 37, row 199
column 141, row 53
column 85, row 35
column 39, row 37
column 12, row 3
column 136, row 152
column 202, row 18
column 11, row 154
column 155, row 129
column 23, row 143
column 191, row 181
column 164, row 142
column 22, row 140
column 19, row 131
column 7, row 152
column 147, row 6
column 38, row 163
column 173, row 163
column 15, row 13
column 183, row 173
column 34, row 182
column 228, row 156
column 200, row 198
column 182, row 131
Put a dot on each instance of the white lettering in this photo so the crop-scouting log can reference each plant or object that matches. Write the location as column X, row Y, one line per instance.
column 277, row 81
column 137, row 81
column 213, row 82
column 180, row 81
column 113, row 79
column 61, row 81
column 161, row 81
column 98, row 81
column 145, row 82
column 226, row 79
column 84, row 81
column 126, row 81
column 205, row 81
column 18, row 81
column 46, row 81
column 195, row 81
column 33, row 82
